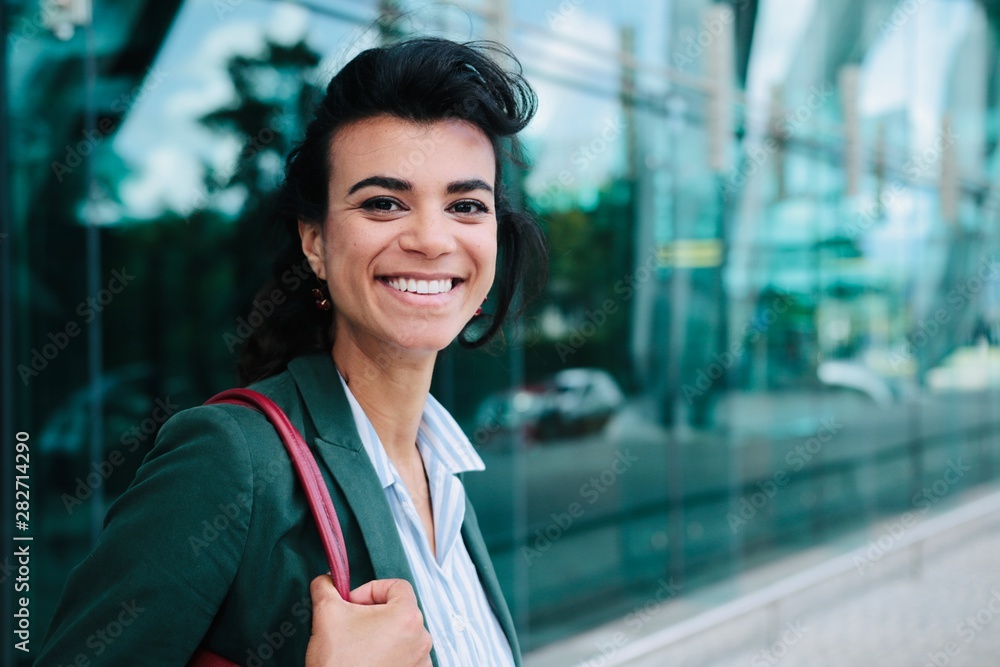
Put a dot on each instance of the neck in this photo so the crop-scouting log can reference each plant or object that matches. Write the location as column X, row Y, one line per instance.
column 391, row 387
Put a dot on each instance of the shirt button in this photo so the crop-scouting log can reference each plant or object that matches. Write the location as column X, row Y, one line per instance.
column 459, row 623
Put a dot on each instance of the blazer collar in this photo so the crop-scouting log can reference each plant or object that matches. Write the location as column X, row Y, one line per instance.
column 321, row 391
column 341, row 451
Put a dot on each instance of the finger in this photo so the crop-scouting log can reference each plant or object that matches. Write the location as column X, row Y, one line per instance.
column 383, row 591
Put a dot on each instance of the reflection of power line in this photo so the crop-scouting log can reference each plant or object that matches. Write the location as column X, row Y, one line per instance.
column 837, row 146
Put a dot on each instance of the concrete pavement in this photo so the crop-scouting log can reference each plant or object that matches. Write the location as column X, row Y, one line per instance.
column 936, row 605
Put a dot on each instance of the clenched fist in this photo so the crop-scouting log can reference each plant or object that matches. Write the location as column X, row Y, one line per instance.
column 381, row 625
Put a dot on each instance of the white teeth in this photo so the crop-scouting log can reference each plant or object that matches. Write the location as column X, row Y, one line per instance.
column 420, row 286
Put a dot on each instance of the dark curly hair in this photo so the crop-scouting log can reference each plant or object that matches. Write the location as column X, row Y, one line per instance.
column 422, row 80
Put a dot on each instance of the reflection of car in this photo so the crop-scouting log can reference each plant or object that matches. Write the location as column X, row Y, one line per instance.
column 857, row 377
column 508, row 411
column 572, row 402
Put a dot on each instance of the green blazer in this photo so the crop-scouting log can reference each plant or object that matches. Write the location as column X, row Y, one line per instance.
column 214, row 540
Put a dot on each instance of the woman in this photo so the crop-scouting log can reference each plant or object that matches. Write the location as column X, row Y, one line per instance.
column 393, row 205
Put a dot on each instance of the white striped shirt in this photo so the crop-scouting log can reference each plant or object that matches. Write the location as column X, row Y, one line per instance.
column 458, row 615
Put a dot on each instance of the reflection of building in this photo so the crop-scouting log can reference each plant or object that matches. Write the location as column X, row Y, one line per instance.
column 734, row 198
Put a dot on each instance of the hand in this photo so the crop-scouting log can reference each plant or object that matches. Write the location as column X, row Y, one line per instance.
column 380, row 626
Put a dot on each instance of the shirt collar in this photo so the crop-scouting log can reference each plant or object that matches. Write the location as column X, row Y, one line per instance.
column 438, row 433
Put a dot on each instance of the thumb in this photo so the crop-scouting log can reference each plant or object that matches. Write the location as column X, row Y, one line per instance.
column 322, row 591
column 383, row 591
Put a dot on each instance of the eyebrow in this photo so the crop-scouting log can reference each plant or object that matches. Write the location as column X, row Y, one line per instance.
column 400, row 185
column 469, row 185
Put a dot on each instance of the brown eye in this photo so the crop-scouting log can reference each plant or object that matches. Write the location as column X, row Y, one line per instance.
column 470, row 206
column 381, row 205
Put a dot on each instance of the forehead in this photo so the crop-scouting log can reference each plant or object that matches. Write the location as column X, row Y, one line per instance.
column 444, row 150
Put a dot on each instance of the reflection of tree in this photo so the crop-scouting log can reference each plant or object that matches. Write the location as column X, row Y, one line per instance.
column 161, row 332
column 580, row 263
column 271, row 99
column 200, row 273
column 590, row 253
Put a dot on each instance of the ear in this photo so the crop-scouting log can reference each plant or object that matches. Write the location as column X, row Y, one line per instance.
column 312, row 246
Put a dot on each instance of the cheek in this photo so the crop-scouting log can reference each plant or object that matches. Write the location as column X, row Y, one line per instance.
column 349, row 251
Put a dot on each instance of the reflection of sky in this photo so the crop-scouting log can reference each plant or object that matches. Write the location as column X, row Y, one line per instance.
column 166, row 147
column 905, row 74
column 907, row 70
column 571, row 123
column 161, row 138
column 779, row 32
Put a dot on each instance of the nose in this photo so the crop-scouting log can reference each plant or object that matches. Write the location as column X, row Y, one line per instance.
column 429, row 234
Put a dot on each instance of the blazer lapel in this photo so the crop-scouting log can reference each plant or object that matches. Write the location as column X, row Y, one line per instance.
column 341, row 452
column 481, row 559
column 339, row 448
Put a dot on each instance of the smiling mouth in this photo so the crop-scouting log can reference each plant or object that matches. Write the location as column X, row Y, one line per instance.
column 415, row 286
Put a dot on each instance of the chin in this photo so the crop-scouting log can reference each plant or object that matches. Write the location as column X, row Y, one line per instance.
column 430, row 338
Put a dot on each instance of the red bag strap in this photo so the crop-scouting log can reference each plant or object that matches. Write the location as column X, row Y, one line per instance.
column 308, row 473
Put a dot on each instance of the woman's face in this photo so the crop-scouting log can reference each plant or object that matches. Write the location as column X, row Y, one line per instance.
column 409, row 243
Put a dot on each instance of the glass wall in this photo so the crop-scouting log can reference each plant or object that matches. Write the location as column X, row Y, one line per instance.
column 772, row 315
